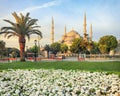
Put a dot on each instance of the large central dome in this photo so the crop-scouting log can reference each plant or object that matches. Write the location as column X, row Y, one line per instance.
column 69, row 37
column 73, row 33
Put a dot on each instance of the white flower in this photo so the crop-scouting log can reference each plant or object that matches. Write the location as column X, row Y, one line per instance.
column 17, row 91
column 57, row 82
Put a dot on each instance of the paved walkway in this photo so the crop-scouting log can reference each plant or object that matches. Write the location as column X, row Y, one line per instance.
column 70, row 59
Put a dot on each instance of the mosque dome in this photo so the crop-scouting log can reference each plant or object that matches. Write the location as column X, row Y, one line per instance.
column 69, row 37
column 73, row 33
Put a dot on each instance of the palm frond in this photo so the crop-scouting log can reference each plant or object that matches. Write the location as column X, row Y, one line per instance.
column 28, row 36
column 22, row 17
column 36, row 27
column 2, row 32
column 10, row 32
column 13, row 24
column 35, row 32
column 32, row 22
column 7, row 28
column 9, row 36
column 6, row 34
column 24, row 26
column 26, row 18
column 17, row 18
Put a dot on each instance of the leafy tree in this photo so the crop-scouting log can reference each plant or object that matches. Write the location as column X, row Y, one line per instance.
column 2, row 47
column 84, row 45
column 2, row 44
column 63, row 48
column 55, row 47
column 89, row 46
column 77, row 45
column 23, row 27
column 47, row 48
column 103, row 48
column 33, row 49
column 107, row 43
column 14, row 52
column 95, row 49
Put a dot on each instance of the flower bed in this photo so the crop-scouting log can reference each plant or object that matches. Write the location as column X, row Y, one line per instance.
column 58, row 83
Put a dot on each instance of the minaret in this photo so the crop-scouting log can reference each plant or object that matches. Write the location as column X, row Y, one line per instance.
column 65, row 31
column 91, row 32
column 52, row 31
column 84, row 25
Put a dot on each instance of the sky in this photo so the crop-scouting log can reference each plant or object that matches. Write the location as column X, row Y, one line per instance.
column 104, row 15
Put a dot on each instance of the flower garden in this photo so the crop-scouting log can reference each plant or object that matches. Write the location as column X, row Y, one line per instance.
column 51, row 82
column 58, row 83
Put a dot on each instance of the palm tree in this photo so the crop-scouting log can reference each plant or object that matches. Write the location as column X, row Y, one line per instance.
column 23, row 27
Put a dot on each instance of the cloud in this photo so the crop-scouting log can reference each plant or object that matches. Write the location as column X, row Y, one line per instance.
column 29, row 9
column 45, row 5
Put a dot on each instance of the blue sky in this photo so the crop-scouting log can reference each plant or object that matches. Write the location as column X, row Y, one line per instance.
column 104, row 15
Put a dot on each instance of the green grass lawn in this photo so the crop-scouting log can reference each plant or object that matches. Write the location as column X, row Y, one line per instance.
column 88, row 66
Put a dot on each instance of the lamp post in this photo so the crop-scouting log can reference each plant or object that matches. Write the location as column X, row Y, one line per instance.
column 35, row 41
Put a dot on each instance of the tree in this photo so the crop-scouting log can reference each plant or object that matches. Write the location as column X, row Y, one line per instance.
column 107, row 43
column 2, row 47
column 63, row 48
column 76, row 46
column 33, row 49
column 95, row 49
column 23, row 27
column 89, row 46
column 55, row 47
column 103, row 49
column 47, row 48
column 13, row 52
column 2, row 44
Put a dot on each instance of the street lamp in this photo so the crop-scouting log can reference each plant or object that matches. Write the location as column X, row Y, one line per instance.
column 35, row 41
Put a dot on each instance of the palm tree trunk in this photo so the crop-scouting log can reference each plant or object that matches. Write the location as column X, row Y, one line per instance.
column 22, row 42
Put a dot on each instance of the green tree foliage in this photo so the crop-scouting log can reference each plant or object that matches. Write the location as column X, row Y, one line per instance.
column 13, row 52
column 63, row 48
column 55, row 47
column 33, row 49
column 107, row 43
column 47, row 48
column 103, row 49
column 2, row 47
column 95, row 49
column 2, row 44
column 89, row 46
column 77, row 45
column 23, row 27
